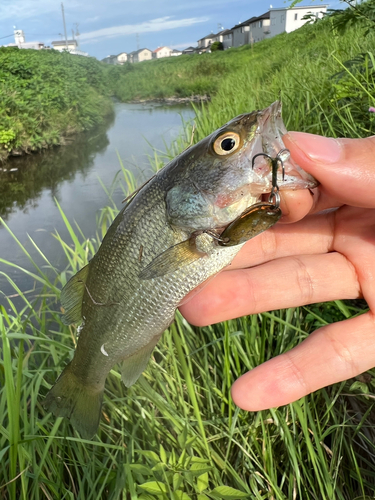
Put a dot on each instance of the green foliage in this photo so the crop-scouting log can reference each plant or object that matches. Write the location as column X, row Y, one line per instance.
column 324, row 78
column 361, row 15
column 6, row 137
column 216, row 46
column 176, row 434
column 46, row 96
column 181, row 76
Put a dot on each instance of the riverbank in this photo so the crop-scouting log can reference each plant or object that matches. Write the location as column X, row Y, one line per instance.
column 47, row 97
column 173, row 100
column 176, row 433
column 324, row 78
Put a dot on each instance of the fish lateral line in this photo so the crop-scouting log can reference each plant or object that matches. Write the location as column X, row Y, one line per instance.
column 102, row 304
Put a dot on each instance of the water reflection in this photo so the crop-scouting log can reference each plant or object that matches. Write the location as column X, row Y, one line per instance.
column 71, row 175
column 23, row 179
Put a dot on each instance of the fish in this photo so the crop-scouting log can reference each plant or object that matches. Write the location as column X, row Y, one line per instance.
column 165, row 241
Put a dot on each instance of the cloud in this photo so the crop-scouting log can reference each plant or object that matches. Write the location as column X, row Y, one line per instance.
column 24, row 9
column 92, row 19
column 159, row 24
column 183, row 45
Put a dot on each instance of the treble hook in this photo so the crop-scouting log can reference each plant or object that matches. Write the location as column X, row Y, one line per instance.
column 274, row 197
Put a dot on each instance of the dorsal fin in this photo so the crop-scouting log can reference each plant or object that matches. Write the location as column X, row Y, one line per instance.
column 72, row 295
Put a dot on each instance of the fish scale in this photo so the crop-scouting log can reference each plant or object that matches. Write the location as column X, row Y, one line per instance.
column 161, row 246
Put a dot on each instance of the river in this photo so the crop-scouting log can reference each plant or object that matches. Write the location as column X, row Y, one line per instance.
column 29, row 185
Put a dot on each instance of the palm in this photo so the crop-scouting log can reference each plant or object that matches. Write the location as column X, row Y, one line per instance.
column 322, row 257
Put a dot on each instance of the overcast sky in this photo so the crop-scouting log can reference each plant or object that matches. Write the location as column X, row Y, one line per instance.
column 114, row 26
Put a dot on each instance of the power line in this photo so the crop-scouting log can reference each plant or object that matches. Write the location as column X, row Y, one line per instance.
column 6, row 36
column 41, row 34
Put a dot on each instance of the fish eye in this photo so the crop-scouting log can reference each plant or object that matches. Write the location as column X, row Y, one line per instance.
column 226, row 143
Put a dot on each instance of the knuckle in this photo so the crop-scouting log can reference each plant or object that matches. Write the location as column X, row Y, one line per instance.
column 304, row 281
column 269, row 244
column 343, row 354
column 297, row 372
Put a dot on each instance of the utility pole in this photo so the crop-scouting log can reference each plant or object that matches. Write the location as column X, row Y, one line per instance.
column 63, row 16
column 137, row 38
column 73, row 34
column 77, row 32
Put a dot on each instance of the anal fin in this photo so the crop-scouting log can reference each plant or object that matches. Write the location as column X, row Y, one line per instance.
column 133, row 366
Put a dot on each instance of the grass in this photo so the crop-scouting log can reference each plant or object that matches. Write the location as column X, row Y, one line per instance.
column 176, row 434
column 325, row 80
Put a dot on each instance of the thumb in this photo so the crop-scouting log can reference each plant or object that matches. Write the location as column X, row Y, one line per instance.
column 344, row 167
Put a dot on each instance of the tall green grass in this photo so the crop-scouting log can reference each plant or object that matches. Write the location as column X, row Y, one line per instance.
column 325, row 79
column 176, row 434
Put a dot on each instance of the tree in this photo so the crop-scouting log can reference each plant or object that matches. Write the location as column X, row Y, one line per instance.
column 217, row 46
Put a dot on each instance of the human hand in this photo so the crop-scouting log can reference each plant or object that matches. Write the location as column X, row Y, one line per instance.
column 325, row 256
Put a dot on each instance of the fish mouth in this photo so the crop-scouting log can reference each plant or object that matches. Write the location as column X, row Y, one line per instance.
column 269, row 140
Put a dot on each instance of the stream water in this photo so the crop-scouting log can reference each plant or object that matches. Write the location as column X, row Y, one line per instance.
column 29, row 185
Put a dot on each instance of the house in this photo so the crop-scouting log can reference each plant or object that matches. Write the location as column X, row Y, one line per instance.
column 204, row 43
column 161, row 52
column 241, row 33
column 69, row 45
column 260, row 28
column 176, row 52
column 140, row 55
column 190, row 51
column 225, row 37
column 110, row 60
column 122, row 57
column 287, row 20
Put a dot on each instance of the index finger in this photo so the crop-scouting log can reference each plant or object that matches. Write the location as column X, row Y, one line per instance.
column 344, row 167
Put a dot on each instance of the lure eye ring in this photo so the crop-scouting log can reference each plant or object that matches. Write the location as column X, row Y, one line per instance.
column 226, row 143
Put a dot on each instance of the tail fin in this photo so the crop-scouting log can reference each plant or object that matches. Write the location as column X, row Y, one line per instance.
column 79, row 402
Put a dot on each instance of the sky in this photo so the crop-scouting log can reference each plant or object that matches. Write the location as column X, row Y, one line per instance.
column 113, row 26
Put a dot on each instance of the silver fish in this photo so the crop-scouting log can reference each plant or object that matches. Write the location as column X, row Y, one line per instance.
column 163, row 244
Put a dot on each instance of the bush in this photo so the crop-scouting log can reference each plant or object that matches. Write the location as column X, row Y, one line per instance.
column 216, row 46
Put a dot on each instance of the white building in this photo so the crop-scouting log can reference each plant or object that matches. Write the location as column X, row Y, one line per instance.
column 253, row 30
column 176, row 52
column 205, row 42
column 20, row 42
column 68, row 45
column 241, row 33
column 161, row 52
column 259, row 28
column 122, row 57
column 140, row 55
column 272, row 23
column 226, row 38
column 287, row 20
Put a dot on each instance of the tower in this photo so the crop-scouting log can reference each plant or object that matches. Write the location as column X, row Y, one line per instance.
column 19, row 37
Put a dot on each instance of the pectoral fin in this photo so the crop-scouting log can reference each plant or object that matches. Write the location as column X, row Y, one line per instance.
column 72, row 295
column 250, row 223
column 179, row 255
column 133, row 366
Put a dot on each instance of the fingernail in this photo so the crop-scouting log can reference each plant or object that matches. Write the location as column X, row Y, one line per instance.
column 316, row 147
